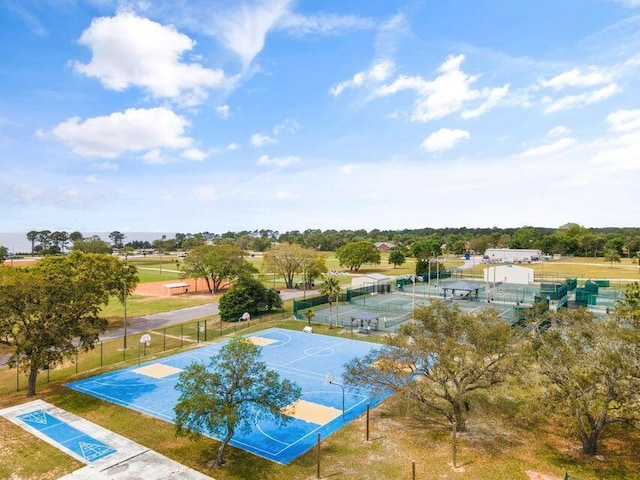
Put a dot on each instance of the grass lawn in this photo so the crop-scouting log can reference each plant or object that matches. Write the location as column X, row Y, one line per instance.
column 580, row 268
column 139, row 305
column 505, row 439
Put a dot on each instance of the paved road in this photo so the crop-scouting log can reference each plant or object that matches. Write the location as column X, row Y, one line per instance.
column 161, row 320
column 166, row 319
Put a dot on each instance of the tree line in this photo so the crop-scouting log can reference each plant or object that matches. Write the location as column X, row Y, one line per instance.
column 569, row 239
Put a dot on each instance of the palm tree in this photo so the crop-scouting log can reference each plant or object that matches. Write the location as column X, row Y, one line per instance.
column 331, row 288
column 309, row 314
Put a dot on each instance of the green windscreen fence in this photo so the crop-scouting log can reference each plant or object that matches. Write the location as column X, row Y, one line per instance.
column 572, row 283
column 554, row 291
column 591, row 287
column 585, row 298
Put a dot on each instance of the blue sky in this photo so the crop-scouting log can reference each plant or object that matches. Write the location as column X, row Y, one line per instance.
column 217, row 115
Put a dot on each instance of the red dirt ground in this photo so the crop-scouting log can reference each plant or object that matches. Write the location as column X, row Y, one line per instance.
column 156, row 289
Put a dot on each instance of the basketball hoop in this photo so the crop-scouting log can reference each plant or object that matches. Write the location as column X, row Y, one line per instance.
column 329, row 380
column 144, row 340
column 330, row 377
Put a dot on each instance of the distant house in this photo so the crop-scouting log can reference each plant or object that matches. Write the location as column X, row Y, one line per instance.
column 385, row 246
column 510, row 255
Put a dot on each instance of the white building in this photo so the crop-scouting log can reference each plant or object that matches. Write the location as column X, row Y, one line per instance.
column 509, row 274
column 509, row 255
column 370, row 279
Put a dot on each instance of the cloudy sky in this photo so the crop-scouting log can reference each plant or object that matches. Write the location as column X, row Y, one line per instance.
column 219, row 115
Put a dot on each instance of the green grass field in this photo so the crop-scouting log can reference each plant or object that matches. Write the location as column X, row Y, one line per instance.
column 505, row 439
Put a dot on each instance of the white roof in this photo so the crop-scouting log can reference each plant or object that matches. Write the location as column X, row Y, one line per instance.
column 175, row 285
column 376, row 276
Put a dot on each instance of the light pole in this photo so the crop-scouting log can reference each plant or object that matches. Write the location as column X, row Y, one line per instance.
column 413, row 306
column 124, row 286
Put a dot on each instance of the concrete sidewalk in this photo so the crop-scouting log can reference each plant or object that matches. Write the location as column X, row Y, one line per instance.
column 130, row 461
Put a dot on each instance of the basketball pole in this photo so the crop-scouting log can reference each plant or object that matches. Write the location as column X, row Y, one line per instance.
column 318, row 456
column 342, row 387
column 367, row 422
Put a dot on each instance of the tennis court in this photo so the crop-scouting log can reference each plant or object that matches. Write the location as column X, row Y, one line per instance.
column 394, row 310
column 303, row 358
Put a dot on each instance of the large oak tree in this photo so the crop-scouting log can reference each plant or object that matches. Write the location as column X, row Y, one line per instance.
column 590, row 367
column 51, row 310
column 356, row 254
column 216, row 264
column 287, row 259
column 230, row 393
column 440, row 360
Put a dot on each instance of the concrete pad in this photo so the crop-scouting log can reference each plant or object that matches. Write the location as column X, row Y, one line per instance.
column 311, row 412
column 130, row 461
column 261, row 341
column 157, row 370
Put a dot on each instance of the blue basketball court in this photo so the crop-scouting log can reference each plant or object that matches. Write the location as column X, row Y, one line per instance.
column 303, row 358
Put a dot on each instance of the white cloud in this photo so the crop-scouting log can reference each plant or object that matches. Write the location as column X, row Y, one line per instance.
column 205, row 194
column 279, row 162
column 350, row 168
column 446, row 94
column 559, row 131
column 288, row 126
column 444, row 139
column 194, row 154
column 389, row 33
column 494, row 96
column 548, row 149
column 575, row 101
column 223, row 111
column 620, row 151
column 233, row 146
column 128, row 50
column 624, row 120
column 297, row 24
column 92, row 179
column 243, row 30
column 156, row 157
column 379, row 72
column 106, row 166
column 259, row 140
column 577, row 78
column 134, row 130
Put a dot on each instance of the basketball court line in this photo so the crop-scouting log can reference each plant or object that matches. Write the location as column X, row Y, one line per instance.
column 309, row 375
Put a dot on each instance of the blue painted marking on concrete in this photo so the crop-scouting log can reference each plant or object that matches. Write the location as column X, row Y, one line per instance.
column 78, row 442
